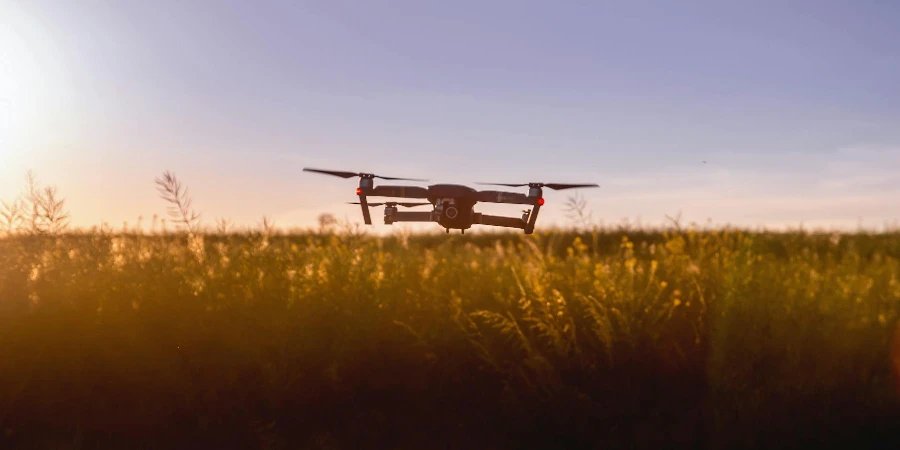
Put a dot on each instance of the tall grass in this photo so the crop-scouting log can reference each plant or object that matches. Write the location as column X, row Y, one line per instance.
column 640, row 339
column 585, row 338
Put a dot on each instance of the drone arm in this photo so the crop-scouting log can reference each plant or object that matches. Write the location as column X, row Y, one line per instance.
column 532, row 218
column 367, row 218
column 398, row 191
column 503, row 197
column 410, row 216
column 500, row 221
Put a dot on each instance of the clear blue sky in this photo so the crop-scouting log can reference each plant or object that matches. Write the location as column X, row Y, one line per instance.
column 794, row 106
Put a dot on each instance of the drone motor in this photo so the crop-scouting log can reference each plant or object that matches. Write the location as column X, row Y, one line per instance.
column 389, row 212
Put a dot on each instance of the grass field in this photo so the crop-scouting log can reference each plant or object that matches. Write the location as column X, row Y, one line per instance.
column 605, row 339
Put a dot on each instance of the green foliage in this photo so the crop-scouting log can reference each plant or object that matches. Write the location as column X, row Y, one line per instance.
column 716, row 339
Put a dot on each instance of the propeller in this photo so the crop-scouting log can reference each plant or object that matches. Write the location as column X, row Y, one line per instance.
column 554, row 186
column 341, row 174
column 403, row 204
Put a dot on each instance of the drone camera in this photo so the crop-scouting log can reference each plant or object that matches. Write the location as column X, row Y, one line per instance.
column 451, row 212
column 446, row 208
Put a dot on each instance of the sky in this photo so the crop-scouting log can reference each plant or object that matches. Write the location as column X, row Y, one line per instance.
column 768, row 114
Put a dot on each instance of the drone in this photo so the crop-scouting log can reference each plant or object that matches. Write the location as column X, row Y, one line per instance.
column 453, row 205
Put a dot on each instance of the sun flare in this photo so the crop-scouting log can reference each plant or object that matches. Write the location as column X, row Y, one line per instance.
column 30, row 73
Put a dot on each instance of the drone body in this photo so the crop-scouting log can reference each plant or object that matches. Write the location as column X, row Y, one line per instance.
column 453, row 205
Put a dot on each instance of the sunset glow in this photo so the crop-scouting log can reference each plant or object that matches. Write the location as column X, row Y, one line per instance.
column 737, row 129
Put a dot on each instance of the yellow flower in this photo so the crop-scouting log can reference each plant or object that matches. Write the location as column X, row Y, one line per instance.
column 630, row 264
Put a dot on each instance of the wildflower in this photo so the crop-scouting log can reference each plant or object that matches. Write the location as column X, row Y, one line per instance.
column 630, row 264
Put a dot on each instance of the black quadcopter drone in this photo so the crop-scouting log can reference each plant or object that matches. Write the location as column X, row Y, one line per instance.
column 453, row 204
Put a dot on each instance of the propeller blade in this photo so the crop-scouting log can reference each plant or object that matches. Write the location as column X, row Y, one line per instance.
column 403, row 204
column 561, row 186
column 554, row 186
column 401, row 179
column 341, row 174
column 332, row 172
column 368, row 204
column 504, row 184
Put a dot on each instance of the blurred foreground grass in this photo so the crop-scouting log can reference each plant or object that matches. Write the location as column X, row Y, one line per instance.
column 715, row 339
